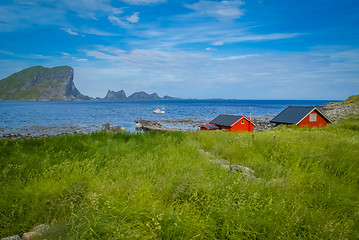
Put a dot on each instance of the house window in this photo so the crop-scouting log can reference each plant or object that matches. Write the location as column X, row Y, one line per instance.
column 242, row 122
column 312, row 117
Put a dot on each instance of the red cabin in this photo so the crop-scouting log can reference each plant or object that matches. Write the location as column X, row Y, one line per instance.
column 302, row 117
column 232, row 123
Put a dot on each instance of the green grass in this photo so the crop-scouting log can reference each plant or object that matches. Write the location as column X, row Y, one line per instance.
column 352, row 100
column 160, row 186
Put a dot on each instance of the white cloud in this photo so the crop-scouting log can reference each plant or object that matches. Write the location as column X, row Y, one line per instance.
column 239, row 57
column 263, row 75
column 7, row 53
column 34, row 13
column 94, row 31
column 116, row 21
column 262, row 37
column 69, row 56
column 13, row 17
column 123, row 21
column 69, row 31
column 219, row 43
column 134, row 18
column 221, row 10
column 149, row 60
column 143, row 2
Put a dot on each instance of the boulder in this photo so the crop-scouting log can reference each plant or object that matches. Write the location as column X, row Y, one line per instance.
column 36, row 232
column 15, row 237
column 42, row 228
column 30, row 235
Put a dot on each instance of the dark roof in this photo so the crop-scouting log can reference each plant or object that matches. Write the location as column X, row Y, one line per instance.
column 225, row 119
column 210, row 126
column 293, row 115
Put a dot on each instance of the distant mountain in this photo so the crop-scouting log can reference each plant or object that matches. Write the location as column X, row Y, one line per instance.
column 41, row 84
column 120, row 95
column 170, row 98
column 144, row 96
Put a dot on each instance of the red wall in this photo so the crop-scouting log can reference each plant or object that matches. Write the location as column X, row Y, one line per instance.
column 319, row 123
column 238, row 127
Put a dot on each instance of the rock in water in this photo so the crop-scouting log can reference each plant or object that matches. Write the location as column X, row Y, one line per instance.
column 41, row 84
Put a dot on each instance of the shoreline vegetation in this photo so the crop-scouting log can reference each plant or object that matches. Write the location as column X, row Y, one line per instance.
column 286, row 183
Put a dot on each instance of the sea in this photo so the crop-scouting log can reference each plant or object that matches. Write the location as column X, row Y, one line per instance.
column 56, row 117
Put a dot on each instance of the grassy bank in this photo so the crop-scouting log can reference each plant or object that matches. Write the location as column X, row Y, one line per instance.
column 159, row 185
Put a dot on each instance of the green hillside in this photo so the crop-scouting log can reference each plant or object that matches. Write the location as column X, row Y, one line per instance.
column 39, row 83
column 304, row 184
column 352, row 100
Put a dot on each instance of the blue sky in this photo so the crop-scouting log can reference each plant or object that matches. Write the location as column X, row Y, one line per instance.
column 242, row 49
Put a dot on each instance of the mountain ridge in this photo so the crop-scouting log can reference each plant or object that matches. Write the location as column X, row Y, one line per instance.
column 39, row 83
column 141, row 95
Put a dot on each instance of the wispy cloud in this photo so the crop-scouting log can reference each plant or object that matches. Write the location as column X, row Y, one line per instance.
column 143, row 2
column 207, row 72
column 69, row 31
column 261, row 37
column 211, row 49
column 223, row 10
column 35, row 13
column 219, row 43
column 7, row 53
column 239, row 57
column 13, row 17
column 68, row 55
column 212, row 35
column 116, row 21
column 98, row 32
column 134, row 18
column 147, row 59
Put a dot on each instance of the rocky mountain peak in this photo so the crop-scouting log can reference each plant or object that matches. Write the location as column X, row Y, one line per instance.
column 40, row 83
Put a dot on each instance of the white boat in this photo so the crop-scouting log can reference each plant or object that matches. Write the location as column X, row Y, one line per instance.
column 159, row 111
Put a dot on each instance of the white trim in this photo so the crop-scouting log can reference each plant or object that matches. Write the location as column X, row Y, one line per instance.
column 305, row 116
column 251, row 122
column 319, row 112
column 323, row 116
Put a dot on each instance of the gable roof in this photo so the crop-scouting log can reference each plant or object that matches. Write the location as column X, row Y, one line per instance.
column 294, row 115
column 228, row 120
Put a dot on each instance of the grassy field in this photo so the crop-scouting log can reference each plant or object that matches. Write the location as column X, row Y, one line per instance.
column 161, row 186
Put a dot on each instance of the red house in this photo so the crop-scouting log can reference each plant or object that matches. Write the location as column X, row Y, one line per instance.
column 232, row 123
column 302, row 117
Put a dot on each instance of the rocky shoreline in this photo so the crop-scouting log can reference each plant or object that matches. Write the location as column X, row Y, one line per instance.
column 43, row 132
column 335, row 111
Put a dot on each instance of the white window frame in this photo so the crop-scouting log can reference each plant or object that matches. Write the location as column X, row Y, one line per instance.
column 313, row 117
column 242, row 122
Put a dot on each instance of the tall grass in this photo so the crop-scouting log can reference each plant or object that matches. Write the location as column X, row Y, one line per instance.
column 160, row 186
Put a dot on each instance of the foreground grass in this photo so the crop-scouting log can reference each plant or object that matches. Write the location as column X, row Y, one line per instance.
column 159, row 186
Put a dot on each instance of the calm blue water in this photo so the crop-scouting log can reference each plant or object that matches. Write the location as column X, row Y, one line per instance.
column 91, row 115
